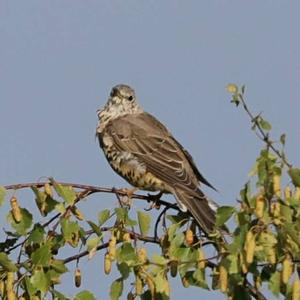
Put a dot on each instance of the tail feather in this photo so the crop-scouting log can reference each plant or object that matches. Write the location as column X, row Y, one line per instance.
column 199, row 208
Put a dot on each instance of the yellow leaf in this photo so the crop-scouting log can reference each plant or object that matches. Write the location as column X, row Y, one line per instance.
column 232, row 88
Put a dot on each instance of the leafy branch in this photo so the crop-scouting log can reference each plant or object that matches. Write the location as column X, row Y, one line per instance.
column 260, row 125
column 263, row 247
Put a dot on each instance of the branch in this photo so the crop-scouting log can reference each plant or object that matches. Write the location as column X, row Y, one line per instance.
column 255, row 293
column 138, row 236
column 263, row 136
column 91, row 189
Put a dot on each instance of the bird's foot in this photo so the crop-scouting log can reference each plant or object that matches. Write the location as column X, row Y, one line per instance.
column 154, row 200
column 127, row 197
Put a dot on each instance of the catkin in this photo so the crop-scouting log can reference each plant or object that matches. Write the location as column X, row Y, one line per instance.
column 112, row 248
column 15, row 209
column 138, row 285
column 249, row 247
column 151, row 286
column 189, row 237
column 48, row 190
column 287, row 193
column 287, row 269
column 271, row 255
column 201, row 259
column 107, row 264
column 260, row 206
column 173, row 268
column 277, row 185
column 126, row 237
column 223, row 279
column 77, row 277
column 296, row 289
column 297, row 193
column 2, row 289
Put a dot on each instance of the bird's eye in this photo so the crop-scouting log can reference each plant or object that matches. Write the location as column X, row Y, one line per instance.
column 130, row 98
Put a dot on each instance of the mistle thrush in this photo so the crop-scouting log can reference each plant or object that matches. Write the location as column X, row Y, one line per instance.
column 142, row 150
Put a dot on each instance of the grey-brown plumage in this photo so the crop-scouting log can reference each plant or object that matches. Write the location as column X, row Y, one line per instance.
column 143, row 151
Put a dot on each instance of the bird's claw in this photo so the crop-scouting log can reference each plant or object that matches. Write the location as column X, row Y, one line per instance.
column 126, row 199
column 154, row 200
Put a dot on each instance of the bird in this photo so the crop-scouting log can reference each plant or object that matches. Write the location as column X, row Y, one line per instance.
column 142, row 150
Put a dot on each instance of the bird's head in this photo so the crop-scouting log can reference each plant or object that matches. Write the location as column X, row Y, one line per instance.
column 121, row 101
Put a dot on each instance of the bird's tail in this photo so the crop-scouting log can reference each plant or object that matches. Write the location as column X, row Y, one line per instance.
column 199, row 207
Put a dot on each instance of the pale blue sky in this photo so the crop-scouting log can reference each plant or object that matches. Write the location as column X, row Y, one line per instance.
column 59, row 60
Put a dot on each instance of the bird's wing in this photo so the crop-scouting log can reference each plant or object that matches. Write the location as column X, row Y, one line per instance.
column 199, row 176
column 154, row 147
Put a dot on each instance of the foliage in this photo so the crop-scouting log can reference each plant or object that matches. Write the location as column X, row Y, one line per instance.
column 262, row 249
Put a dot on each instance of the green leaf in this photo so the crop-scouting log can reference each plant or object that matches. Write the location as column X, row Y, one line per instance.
column 59, row 266
column 40, row 281
column 95, row 228
column 37, row 234
column 235, row 99
column 7, row 244
column 44, row 202
column 124, row 270
column 92, row 243
column 25, row 223
column 274, row 284
column 70, row 231
column 42, row 255
column 172, row 231
column 2, row 195
column 160, row 283
column 241, row 292
column 232, row 263
column 223, row 214
column 181, row 218
column 265, row 125
column 159, row 260
column 177, row 241
column 282, row 139
column 181, row 253
column 30, row 289
column 147, row 296
column 295, row 176
column 85, row 295
column 144, row 220
column 199, row 276
column 122, row 216
column 116, row 289
column 103, row 216
column 6, row 263
column 289, row 228
column 126, row 254
column 60, row 207
column 59, row 296
column 65, row 192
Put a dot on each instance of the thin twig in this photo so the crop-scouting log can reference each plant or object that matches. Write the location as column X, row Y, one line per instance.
column 263, row 137
column 255, row 293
